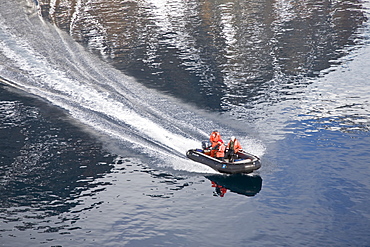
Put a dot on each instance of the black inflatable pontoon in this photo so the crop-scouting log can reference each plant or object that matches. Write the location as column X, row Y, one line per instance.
column 243, row 162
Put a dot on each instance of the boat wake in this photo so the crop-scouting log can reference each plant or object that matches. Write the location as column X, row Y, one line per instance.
column 44, row 61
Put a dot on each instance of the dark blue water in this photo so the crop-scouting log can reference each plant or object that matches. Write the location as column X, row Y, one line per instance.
column 99, row 101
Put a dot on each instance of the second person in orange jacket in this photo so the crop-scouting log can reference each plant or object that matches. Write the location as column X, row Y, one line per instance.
column 233, row 148
column 220, row 150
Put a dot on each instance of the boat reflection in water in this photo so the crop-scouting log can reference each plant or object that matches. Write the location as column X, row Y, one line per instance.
column 248, row 185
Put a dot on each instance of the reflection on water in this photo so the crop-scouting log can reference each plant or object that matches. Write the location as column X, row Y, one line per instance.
column 256, row 60
column 248, row 185
column 47, row 167
column 242, row 52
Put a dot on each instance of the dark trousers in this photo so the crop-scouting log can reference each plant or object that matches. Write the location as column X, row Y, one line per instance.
column 231, row 155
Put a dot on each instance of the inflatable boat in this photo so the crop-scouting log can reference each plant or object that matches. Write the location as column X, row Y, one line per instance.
column 243, row 162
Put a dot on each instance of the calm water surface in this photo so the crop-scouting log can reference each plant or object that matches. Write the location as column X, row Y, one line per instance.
column 99, row 101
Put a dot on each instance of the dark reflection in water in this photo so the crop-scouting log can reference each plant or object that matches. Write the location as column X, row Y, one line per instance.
column 216, row 54
column 248, row 185
column 47, row 163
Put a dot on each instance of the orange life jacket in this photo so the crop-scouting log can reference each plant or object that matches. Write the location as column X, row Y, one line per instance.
column 214, row 138
column 235, row 145
column 221, row 151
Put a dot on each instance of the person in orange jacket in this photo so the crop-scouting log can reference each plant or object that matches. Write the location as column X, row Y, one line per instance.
column 214, row 138
column 233, row 148
column 220, row 150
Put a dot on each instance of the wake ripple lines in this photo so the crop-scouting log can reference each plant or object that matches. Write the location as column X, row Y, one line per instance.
column 44, row 61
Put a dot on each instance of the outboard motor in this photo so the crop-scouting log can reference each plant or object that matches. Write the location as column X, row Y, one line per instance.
column 206, row 145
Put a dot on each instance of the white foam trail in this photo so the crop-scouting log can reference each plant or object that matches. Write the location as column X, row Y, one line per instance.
column 59, row 89
column 56, row 68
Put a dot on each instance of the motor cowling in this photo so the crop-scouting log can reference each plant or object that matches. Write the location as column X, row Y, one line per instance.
column 206, row 144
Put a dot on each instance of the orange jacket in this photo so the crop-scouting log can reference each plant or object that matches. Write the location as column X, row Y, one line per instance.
column 235, row 145
column 214, row 138
column 221, row 150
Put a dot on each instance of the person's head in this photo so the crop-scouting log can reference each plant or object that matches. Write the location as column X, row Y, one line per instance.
column 233, row 138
